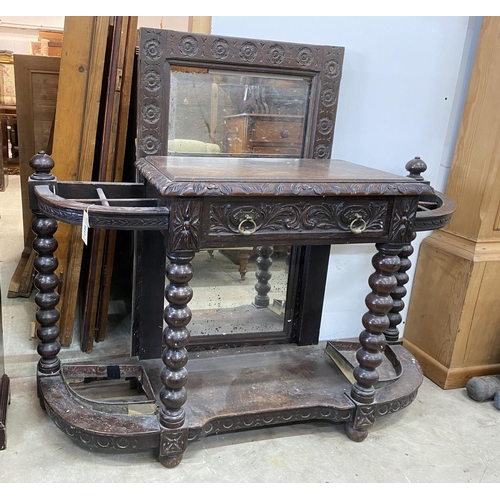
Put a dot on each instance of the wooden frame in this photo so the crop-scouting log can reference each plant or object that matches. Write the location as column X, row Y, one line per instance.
column 159, row 50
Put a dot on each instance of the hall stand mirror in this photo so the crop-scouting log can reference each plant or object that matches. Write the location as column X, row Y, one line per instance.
column 249, row 169
column 223, row 97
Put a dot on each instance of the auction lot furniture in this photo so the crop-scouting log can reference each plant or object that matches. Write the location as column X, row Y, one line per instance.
column 212, row 203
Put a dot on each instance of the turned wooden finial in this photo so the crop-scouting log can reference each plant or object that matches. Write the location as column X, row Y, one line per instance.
column 416, row 167
column 42, row 164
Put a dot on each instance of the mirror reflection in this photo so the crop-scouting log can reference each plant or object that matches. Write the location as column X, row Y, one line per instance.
column 213, row 112
column 223, row 112
column 226, row 301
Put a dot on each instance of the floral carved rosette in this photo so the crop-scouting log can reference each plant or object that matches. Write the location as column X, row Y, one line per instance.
column 150, row 144
column 321, row 152
column 152, row 80
column 305, row 56
column 188, row 46
column 325, row 125
column 151, row 113
column 276, row 54
column 248, row 52
column 332, row 69
column 329, row 97
column 153, row 49
column 220, row 49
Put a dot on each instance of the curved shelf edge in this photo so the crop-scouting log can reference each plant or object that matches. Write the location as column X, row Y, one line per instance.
column 121, row 433
column 94, row 430
column 100, row 216
column 438, row 217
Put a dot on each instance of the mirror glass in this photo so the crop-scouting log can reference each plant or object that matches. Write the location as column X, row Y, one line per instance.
column 224, row 112
column 214, row 112
column 225, row 298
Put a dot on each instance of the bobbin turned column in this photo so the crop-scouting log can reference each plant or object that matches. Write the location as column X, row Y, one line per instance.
column 416, row 167
column 379, row 302
column 263, row 275
column 402, row 278
column 175, row 356
column 46, row 281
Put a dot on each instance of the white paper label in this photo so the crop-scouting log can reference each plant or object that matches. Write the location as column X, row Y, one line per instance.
column 85, row 227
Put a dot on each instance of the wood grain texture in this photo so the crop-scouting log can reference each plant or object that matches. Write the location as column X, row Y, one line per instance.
column 474, row 179
column 116, row 158
column 37, row 86
column 200, row 24
column 453, row 323
column 430, row 310
column 78, row 102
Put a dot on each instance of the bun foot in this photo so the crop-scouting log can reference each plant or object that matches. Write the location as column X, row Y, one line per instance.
column 171, row 461
column 355, row 434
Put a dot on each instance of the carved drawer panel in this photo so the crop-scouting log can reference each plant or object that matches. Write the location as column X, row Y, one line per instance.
column 315, row 218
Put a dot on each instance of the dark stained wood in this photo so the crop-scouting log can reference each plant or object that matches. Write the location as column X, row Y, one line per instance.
column 308, row 297
column 4, row 387
column 276, row 176
column 229, row 390
column 271, row 385
column 161, row 51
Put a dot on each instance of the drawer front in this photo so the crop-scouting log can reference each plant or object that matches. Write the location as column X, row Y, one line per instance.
column 303, row 220
column 277, row 132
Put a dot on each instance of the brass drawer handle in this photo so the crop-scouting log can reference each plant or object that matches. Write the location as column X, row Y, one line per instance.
column 247, row 231
column 358, row 225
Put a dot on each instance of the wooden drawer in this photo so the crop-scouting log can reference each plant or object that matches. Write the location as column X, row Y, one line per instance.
column 277, row 130
column 264, row 134
column 310, row 220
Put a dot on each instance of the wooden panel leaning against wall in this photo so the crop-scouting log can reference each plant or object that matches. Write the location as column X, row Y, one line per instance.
column 453, row 323
column 78, row 104
column 37, row 80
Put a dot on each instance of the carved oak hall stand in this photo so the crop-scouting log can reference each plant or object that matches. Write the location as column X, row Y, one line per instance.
column 284, row 201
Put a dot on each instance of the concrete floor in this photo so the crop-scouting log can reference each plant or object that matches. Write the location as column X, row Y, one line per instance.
column 442, row 437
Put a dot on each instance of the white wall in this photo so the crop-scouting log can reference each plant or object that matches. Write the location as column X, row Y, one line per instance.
column 403, row 85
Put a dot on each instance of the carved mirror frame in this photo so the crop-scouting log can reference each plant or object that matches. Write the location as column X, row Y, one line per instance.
column 158, row 51
column 161, row 49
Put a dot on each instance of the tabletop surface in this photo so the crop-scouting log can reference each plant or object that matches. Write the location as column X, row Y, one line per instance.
column 187, row 175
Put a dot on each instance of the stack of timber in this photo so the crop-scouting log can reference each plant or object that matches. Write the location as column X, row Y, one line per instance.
column 88, row 144
column 91, row 136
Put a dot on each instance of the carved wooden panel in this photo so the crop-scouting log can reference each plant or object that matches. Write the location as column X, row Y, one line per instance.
column 158, row 49
column 308, row 216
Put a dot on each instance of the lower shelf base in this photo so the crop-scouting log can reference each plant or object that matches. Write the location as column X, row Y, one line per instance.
column 228, row 390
